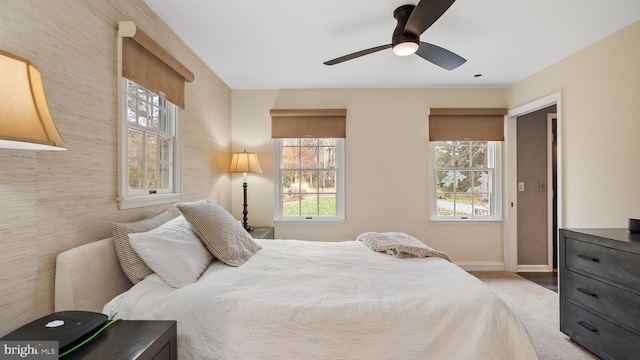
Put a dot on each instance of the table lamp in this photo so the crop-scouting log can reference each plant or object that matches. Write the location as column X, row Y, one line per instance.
column 244, row 162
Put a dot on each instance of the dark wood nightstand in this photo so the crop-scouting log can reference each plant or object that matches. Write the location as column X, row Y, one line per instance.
column 262, row 233
column 132, row 339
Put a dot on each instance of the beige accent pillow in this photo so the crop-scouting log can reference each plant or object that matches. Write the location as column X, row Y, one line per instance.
column 132, row 265
column 219, row 231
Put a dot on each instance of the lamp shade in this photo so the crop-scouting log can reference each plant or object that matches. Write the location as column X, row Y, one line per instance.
column 244, row 162
column 25, row 121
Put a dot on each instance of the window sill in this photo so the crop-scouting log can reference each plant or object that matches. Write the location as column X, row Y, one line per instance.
column 314, row 221
column 133, row 202
column 458, row 222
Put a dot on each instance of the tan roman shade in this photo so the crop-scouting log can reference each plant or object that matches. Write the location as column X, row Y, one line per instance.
column 301, row 123
column 466, row 124
column 148, row 64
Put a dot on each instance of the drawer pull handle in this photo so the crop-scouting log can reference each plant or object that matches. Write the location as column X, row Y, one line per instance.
column 585, row 291
column 587, row 257
column 587, row 326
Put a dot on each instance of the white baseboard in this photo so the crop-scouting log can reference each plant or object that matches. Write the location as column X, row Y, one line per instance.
column 481, row 265
column 533, row 268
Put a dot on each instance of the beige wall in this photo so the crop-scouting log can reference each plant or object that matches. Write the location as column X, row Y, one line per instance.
column 52, row 201
column 387, row 158
column 599, row 128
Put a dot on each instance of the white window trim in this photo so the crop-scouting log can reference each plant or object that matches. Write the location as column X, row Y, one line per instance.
column 339, row 219
column 127, row 201
column 497, row 192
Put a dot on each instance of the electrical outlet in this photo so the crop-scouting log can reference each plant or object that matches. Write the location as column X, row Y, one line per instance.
column 521, row 186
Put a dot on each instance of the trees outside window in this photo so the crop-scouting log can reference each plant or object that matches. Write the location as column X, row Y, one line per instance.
column 150, row 139
column 466, row 179
column 311, row 184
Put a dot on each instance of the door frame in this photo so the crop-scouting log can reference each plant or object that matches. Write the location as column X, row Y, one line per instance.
column 550, row 194
column 510, row 203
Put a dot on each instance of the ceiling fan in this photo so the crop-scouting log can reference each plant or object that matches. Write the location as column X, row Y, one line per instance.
column 412, row 22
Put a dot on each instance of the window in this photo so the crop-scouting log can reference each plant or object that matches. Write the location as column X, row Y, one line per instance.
column 152, row 146
column 150, row 106
column 151, row 134
column 466, row 178
column 310, row 186
column 465, row 163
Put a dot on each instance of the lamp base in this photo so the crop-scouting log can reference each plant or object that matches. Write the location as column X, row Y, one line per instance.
column 245, row 225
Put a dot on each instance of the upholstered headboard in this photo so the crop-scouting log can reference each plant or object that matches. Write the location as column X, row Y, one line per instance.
column 88, row 276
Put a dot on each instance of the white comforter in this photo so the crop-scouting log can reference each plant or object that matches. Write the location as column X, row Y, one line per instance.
column 313, row 300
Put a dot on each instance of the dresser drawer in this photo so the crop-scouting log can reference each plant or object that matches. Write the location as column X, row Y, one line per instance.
column 615, row 265
column 598, row 335
column 614, row 304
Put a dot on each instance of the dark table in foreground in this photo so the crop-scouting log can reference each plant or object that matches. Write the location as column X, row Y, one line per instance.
column 132, row 339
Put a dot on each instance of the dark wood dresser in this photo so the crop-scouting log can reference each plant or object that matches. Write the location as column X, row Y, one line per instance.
column 600, row 290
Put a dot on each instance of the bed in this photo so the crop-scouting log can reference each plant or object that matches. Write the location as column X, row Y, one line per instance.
column 298, row 299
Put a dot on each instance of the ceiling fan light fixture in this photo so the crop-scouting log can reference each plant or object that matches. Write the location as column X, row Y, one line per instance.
column 412, row 21
column 405, row 48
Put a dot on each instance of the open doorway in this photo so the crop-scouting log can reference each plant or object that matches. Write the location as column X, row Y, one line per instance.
column 535, row 164
column 548, row 188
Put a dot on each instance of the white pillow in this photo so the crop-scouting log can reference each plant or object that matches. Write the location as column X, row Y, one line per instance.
column 173, row 251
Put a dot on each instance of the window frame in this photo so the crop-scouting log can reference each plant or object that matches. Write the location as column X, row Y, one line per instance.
column 134, row 198
column 338, row 219
column 496, row 192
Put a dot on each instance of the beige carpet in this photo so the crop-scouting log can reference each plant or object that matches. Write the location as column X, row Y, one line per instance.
column 538, row 309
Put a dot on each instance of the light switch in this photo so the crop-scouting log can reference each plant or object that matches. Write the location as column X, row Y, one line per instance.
column 521, row 186
column 542, row 186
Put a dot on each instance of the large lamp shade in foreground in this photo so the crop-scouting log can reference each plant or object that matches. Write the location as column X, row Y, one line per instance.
column 25, row 121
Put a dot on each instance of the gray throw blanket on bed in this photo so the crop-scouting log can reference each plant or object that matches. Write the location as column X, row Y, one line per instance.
column 399, row 244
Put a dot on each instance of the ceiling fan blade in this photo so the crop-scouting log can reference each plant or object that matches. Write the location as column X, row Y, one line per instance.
column 425, row 14
column 439, row 56
column 357, row 54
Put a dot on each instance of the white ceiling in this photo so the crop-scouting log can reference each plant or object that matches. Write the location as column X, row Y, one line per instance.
column 280, row 44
